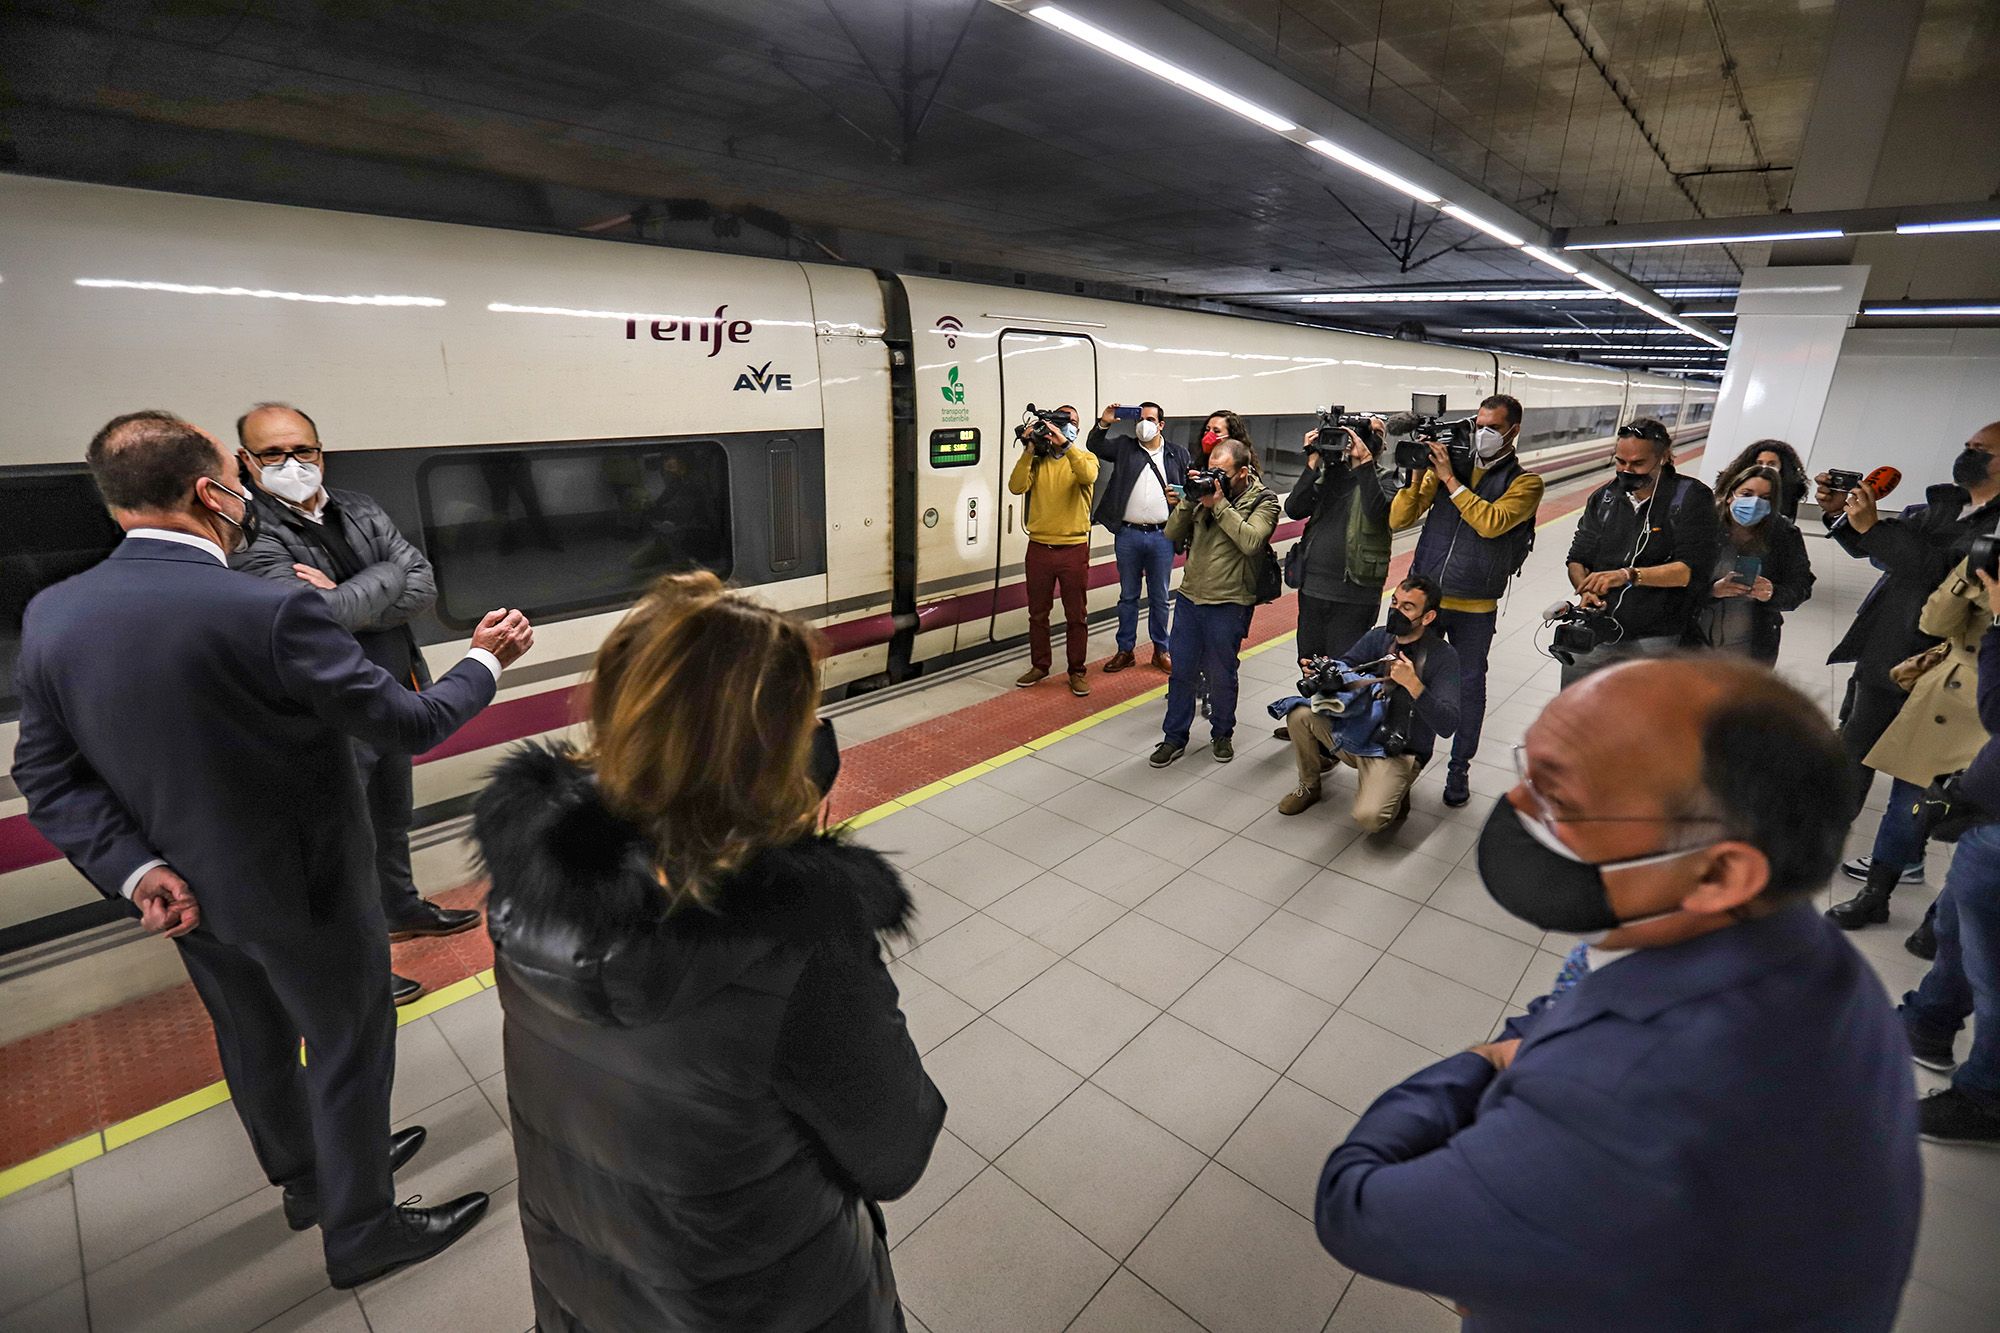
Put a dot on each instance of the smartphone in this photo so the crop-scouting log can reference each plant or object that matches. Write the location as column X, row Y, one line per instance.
column 1748, row 568
column 1126, row 413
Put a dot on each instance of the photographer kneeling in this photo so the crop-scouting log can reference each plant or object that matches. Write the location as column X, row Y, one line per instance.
column 1342, row 557
column 1641, row 537
column 1421, row 705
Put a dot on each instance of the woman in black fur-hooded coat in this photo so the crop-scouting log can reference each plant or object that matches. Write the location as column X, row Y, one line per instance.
column 710, row 1082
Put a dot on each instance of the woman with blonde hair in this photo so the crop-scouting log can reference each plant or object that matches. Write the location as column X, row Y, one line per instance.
column 709, row 1078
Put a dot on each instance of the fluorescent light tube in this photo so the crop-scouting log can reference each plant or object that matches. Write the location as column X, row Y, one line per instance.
column 1393, row 298
column 1089, row 33
column 1543, row 256
column 1354, row 161
column 1928, row 228
column 1982, row 310
column 1711, row 240
column 1478, row 223
column 1598, row 283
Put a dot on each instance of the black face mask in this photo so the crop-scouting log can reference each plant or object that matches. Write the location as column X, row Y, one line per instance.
column 248, row 526
column 1398, row 624
column 1551, row 889
column 1972, row 467
column 1631, row 481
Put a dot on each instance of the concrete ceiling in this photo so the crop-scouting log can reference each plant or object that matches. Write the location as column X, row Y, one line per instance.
column 929, row 134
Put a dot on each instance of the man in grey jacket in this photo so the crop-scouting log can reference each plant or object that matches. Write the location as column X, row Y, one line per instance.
column 375, row 583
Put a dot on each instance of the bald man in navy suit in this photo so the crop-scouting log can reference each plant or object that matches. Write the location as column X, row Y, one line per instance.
column 185, row 743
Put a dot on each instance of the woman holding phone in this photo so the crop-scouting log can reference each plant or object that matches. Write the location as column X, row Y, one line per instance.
column 1761, row 570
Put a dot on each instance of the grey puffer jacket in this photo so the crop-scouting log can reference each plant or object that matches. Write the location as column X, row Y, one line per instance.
column 394, row 588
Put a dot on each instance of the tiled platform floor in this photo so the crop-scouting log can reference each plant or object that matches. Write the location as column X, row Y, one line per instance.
column 1153, row 1003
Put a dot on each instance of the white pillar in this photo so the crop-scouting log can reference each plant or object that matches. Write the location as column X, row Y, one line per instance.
column 1790, row 323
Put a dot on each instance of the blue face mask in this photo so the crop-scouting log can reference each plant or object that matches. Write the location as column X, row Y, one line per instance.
column 1069, row 432
column 1749, row 510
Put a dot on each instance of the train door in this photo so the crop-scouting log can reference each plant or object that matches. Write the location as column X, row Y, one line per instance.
column 1046, row 370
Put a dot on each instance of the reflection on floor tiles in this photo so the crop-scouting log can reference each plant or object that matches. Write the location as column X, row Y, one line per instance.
column 1153, row 1002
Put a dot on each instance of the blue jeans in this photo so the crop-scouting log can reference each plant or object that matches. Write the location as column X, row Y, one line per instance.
column 1470, row 633
column 1965, row 979
column 1147, row 555
column 1897, row 839
column 1205, row 642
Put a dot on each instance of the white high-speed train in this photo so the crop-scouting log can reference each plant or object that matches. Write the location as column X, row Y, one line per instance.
column 556, row 420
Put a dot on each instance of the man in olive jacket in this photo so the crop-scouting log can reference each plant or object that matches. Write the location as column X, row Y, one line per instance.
column 375, row 583
column 1227, row 532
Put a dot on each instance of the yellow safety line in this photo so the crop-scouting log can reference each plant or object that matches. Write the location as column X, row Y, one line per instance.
column 58, row 1160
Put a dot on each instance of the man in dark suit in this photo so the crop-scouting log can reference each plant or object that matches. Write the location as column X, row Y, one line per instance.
column 1147, row 471
column 1716, row 1126
column 184, row 741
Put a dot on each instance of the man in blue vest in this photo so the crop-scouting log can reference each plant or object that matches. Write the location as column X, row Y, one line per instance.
column 1471, row 547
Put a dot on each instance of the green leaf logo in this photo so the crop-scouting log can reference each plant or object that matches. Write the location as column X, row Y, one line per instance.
column 953, row 391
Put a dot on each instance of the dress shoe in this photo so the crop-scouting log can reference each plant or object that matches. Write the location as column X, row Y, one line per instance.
column 1079, row 684
column 1923, row 941
column 1300, row 798
column 1118, row 661
column 1457, row 784
column 1281, row 732
column 409, row 1235
column 302, row 1201
column 1034, row 675
column 402, row 990
column 429, row 919
column 1870, row 907
column 1161, row 662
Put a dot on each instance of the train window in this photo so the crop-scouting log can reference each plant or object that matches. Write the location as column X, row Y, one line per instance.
column 568, row 529
column 784, row 464
column 52, row 525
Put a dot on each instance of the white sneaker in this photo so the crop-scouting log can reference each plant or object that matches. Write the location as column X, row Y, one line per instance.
column 1857, row 868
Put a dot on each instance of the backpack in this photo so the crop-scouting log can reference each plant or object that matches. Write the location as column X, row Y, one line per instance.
column 1270, row 578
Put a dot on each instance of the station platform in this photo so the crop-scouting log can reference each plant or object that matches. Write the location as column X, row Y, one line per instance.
column 1153, row 1004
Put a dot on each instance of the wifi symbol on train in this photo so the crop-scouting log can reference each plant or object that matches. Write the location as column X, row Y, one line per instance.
column 949, row 326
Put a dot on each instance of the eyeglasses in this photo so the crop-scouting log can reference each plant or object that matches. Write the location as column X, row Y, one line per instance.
column 1545, row 814
column 305, row 453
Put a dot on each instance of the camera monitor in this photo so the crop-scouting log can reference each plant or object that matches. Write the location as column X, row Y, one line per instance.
column 1427, row 404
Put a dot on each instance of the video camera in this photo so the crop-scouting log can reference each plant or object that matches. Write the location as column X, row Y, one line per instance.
column 1042, row 430
column 1424, row 423
column 1202, row 482
column 1335, row 419
column 1579, row 631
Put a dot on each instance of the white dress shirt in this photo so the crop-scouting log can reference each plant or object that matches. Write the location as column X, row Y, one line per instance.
column 479, row 655
column 1148, row 502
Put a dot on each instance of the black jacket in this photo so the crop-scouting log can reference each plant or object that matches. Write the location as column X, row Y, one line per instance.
column 375, row 603
column 1791, row 576
column 1128, row 463
column 1344, row 550
column 705, row 1104
column 1914, row 551
column 173, row 709
column 1681, row 526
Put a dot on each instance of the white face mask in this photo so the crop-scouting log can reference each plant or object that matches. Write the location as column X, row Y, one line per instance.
column 291, row 480
column 1488, row 444
column 1148, row 431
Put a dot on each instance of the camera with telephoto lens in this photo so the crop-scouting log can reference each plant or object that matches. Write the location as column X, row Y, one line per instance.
column 1202, row 482
column 1840, row 482
column 1426, row 423
column 1984, row 553
column 1333, row 420
column 1579, row 631
column 1043, row 430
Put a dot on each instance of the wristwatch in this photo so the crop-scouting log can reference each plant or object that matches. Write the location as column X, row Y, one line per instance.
column 1632, row 576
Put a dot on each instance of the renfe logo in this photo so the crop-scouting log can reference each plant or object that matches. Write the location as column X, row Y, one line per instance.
column 711, row 331
column 762, row 380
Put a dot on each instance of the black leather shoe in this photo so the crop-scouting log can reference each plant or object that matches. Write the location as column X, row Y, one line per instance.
column 1870, row 907
column 402, row 989
column 1923, row 941
column 408, row 1236
column 429, row 920
column 302, row 1202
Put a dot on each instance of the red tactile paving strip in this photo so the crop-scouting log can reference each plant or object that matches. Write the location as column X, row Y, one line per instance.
column 59, row 1085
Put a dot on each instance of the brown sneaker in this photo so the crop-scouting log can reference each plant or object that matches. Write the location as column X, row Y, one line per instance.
column 1161, row 662
column 1079, row 684
column 1118, row 661
column 1299, row 798
column 1032, row 676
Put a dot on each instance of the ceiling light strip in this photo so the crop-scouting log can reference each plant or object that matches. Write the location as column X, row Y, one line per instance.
column 1982, row 311
column 1356, row 162
column 1139, row 58
column 1828, row 234
column 1934, row 228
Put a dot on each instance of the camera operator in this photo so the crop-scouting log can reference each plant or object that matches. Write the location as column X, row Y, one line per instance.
column 1146, row 469
column 1422, row 671
column 1472, row 546
column 1055, row 475
column 1914, row 550
column 1227, row 516
column 1641, row 537
column 1342, row 557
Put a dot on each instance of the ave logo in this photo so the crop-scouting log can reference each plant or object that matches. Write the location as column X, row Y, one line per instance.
column 763, row 380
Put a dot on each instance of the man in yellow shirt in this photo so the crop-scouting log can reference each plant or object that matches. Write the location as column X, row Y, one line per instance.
column 1056, row 473
column 1471, row 545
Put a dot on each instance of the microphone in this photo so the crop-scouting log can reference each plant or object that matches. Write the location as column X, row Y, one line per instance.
column 1882, row 480
column 1558, row 611
column 1401, row 423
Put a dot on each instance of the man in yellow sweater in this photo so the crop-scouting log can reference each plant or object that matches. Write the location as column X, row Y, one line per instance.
column 1056, row 473
column 1471, row 545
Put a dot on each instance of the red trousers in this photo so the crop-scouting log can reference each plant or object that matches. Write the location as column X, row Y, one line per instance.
column 1049, row 567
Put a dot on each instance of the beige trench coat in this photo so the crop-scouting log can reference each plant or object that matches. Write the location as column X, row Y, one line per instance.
column 1938, row 731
